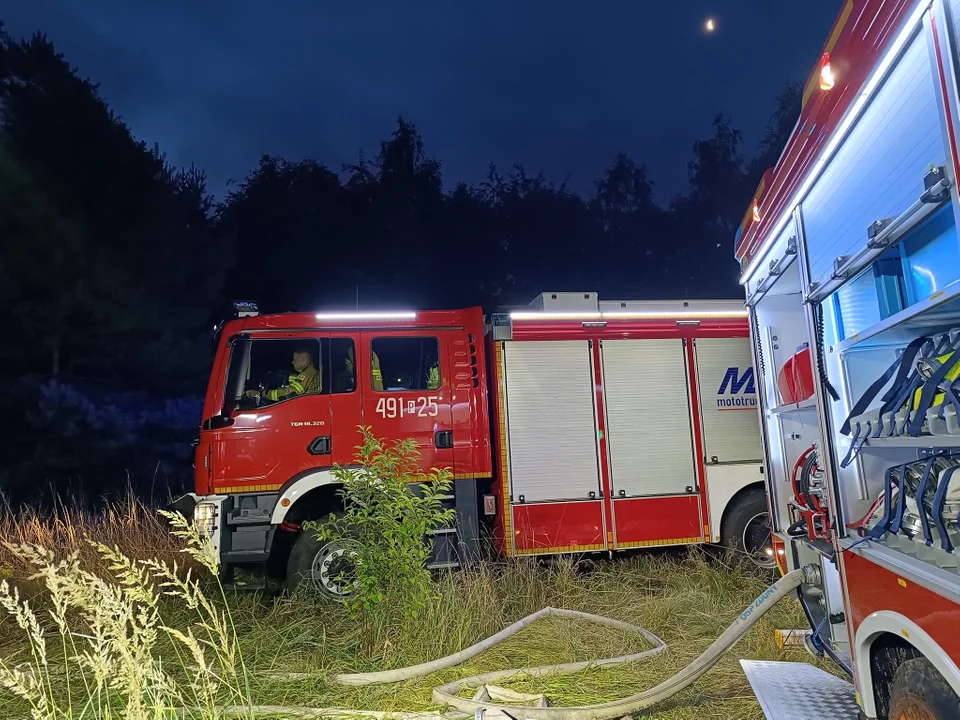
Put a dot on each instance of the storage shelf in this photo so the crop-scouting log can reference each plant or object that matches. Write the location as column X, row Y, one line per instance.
column 808, row 404
column 937, row 313
column 924, row 441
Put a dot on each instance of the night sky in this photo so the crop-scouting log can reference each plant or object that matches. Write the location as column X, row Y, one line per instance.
column 559, row 86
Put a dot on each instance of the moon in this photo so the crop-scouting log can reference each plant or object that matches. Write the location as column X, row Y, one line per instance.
column 710, row 25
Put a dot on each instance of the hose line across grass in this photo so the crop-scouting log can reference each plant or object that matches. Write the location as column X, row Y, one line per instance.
column 480, row 707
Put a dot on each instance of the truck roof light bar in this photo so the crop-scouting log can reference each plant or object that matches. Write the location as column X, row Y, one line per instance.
column 355, row 316
column 839, row 134
column 681, row 315
column 627, row 315
column 535, row 315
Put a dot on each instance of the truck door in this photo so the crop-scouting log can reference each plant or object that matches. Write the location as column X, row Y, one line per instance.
column 728, row 400
column 346, row 406
column 270, row 441
column 406, row 390
column 552, row 461
column 653, row 469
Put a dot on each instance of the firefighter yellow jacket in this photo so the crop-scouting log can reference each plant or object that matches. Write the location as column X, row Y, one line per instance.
column 306, row 381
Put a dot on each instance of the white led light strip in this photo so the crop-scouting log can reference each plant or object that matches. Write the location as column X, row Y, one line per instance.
column 626, row 315
column 347, row 316
column 839, row 135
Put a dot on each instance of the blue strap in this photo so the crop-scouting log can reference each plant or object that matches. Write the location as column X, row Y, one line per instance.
column 930, row 389
column 938, row 502
column 909, row 388
column 944, row 342
column 921, row 510
column 950, row 395
column 902, row 366
column 899, row 391
column 881, row 527
column 901, row 501
column 854, row 446
column 906, row 391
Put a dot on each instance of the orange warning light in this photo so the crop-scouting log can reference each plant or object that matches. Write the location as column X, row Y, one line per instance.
column 826, row 73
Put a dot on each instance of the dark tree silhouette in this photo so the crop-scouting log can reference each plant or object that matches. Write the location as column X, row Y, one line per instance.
column 113, row 264
column 782, row 121
column 108, row 237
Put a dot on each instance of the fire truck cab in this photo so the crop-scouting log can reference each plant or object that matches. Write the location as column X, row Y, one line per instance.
column 571, row 425
column 264, row 467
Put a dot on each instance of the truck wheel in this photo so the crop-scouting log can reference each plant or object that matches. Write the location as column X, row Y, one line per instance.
column 322, row 566
column 746, row 529
column 919, row 692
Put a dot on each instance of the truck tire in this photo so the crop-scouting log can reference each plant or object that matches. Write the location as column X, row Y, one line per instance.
column 746, row 529
column 320, row 566
column 919, row 692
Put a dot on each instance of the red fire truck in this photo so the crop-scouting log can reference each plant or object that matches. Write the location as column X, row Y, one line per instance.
column 851, row 266
column 570, row 426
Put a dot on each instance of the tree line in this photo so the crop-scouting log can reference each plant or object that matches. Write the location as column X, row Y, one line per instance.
column 114, row 264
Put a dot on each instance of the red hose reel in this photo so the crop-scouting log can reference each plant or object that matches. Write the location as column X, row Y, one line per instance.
column 812, row 512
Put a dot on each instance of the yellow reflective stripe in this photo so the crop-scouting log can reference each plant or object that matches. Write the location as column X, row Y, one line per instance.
column 296, row 385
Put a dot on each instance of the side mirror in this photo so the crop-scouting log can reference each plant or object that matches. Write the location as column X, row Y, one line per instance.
column 237, row 373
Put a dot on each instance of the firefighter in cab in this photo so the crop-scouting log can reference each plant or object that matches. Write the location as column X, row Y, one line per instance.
column 375, row 372
column 305, row 380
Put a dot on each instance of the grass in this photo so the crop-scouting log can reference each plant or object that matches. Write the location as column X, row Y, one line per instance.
column 682, row 597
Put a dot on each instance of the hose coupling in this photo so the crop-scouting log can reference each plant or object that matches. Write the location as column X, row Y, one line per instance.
column 812, row 576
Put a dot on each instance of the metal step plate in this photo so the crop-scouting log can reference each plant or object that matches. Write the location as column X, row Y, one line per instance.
column 799, row 691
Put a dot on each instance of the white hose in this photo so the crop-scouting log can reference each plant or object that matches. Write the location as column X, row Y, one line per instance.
column 448, row 694
column 400, row 674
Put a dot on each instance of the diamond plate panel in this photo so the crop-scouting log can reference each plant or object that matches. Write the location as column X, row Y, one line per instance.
column 799, row 691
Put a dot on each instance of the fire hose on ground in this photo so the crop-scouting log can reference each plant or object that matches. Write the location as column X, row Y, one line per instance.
column 483, row 705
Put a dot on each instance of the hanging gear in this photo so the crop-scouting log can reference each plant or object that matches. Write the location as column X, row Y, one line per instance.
column 922, row 397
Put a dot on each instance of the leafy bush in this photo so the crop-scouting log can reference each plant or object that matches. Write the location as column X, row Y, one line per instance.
column 391, row 505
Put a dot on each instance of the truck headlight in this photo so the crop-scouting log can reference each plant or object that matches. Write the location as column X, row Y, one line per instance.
column 205, row 517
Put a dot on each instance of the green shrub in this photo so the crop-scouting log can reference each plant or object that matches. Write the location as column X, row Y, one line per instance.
column 386, row 524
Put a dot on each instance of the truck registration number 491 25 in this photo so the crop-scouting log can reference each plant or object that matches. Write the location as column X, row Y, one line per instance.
column 423, row 406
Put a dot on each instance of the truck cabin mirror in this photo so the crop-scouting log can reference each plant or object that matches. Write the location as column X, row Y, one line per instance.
column 237, row 372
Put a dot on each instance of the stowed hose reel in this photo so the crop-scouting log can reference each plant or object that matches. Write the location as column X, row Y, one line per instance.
column 809, row 497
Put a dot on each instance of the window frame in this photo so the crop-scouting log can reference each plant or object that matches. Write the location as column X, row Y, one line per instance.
column 293, row 339
column 421, row 338
column 355, row 344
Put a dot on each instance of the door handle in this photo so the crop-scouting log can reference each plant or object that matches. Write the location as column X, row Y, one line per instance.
column 443, row 440
column 217, row 422
column 320, row 446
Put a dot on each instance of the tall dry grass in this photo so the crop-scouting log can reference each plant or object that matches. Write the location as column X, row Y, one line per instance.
column 66, row 527
column 292, row 646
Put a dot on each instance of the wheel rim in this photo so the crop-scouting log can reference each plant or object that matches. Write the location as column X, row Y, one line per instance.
column 913, row 711
column 332, row 571
column 757, row 541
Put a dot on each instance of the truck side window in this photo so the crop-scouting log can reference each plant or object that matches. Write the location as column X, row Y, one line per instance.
column 405, row 363
column 342, row 365
column 284, row 369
